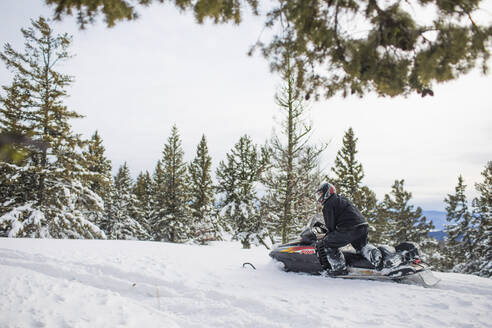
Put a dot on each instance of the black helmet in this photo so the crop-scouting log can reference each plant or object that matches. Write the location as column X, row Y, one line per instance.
column 325, row 191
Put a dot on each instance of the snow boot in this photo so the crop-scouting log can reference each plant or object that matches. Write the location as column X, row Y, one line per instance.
column 373, row 255
column 336, row 260
column 331, row 259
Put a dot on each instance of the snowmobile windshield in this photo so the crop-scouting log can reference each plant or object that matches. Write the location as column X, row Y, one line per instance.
column 316, row 224
column 315, row 227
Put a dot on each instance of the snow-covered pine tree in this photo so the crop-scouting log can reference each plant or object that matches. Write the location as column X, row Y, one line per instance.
column 143, row 190
column 237, row 180
column 482, row 219
column 348, row 175
column 460, row 232
column 15, row 183
column 403, row 222
column 99, row 178
column 293, row 175
column 13, row 120
column 202, row 196
column 55, row 205
column 170, row 220
column 121, row 209
column 98, row 165
column 156, row 201
column 348, row 171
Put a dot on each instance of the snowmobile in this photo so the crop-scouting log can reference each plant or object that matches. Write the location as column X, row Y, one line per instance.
column 401, row 263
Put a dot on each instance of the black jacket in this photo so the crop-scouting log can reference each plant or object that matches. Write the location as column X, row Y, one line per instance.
column 340, row 214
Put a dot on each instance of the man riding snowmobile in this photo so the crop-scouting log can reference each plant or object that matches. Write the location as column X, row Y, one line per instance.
column 345, row 225
column 317, row 250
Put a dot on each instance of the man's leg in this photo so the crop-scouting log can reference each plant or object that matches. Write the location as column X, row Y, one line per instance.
column 360, row 240
column 369, row 251
column 332, row 242
column 337, row 239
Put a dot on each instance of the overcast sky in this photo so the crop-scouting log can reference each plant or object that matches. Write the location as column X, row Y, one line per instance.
column 134, row 81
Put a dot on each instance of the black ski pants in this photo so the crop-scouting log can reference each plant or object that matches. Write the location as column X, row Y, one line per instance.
column 356, row 237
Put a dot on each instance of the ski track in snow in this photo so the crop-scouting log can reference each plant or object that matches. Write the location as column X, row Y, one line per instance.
column 82, row 283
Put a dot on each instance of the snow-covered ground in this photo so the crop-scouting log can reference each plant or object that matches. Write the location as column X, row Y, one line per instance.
column 86, row 283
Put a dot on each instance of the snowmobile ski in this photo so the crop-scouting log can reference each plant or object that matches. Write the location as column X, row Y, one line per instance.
column 424, row 278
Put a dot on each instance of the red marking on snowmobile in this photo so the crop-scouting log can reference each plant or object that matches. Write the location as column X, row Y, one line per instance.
column 299, row 249
column 417, row 261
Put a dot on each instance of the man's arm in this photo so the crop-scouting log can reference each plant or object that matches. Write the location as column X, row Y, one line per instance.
column 329, row 216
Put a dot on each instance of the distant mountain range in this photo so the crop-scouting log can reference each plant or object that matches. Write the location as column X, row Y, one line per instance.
column 439, row 235
column 438, row 218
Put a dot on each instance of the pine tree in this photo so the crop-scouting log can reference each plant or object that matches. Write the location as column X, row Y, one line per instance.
column 157, row 199
column 16, row 183
column 403, row 222
column 467, row 245
column 482, row 214
column 44, row 110
column 237, row 180
column 121, row 209
column 460, row 231
column 348, row 182
column 348, row 171
column 97, row 163
column 204, row 223
column 56, row 197
column 99, row 177
column 380, row 226
column 143, row 190
column 310, row 175
column 13, row 121
column 293, row 175
column 170, row 220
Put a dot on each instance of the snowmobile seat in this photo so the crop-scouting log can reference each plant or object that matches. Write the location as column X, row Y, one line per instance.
column 354, row 259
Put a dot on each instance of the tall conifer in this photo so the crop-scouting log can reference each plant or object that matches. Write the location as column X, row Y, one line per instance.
column 170, row 220
column 348, row 171
column 58, row 196
column 202, row 195
column 348, row 175
column 143, row 190
column 14, row 120
column 459, row 231
column 482, row 214
column 121, row 209
column 237, row 180
column 294, row 173
column 16, row 183
column 99, row 177
column 98, row 165
column 157, row 200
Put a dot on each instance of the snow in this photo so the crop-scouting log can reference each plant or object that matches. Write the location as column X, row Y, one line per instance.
column 106, row 283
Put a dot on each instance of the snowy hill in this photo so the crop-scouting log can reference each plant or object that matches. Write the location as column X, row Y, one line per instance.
column 86, row 283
